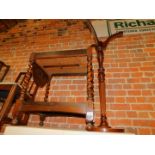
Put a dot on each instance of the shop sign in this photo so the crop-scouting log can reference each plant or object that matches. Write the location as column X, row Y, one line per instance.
column 131, row 26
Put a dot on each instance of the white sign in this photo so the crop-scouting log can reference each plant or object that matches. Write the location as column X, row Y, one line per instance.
column 132, row 26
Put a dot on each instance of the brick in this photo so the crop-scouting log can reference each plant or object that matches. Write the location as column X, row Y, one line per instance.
column 34, row 118
column 152, row 54
column 127, row 86
column 153, row 80
column 109, row 86
column 81, row 87
column 113, row 70
column 139, row 86
column 72, row 99
column 131, row 69
column 144, row 123
column 123, row 64
column 120, row 122
column 60, row 119
column 138, row 59
column 64, row 82
column 133, row 80
column 153, row 131
column 152, row 115
column 76, row 120
column 138, row 74
column 147, row 68
column 56, row 87
column 141, row 107
column 116, row 80
column 76, row 126
column 110, row 114
column 120, row 75
column 61, row 93
column 144, row 131
column 132, row 114
column 78, row 93
column 151, row 86
column 120, row 114
column 79, row 82
column 120, row 100
column 134, row 93
column 150, row 99
column 110, row 99
column 80, row 99
column 145, row 80
column 149, row 49
column 143, row 114
column 120, row 107
column 73, row 87
column 141, row 99
column 134, row 64
column 146, row 92
column 130, row 99
column 117, row 93
column 147, row 64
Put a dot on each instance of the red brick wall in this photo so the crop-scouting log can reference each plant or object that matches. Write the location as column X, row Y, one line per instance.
column 129, row 65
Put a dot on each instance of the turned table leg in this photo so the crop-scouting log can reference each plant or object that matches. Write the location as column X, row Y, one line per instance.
column 90, row 92
column 43, row 116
